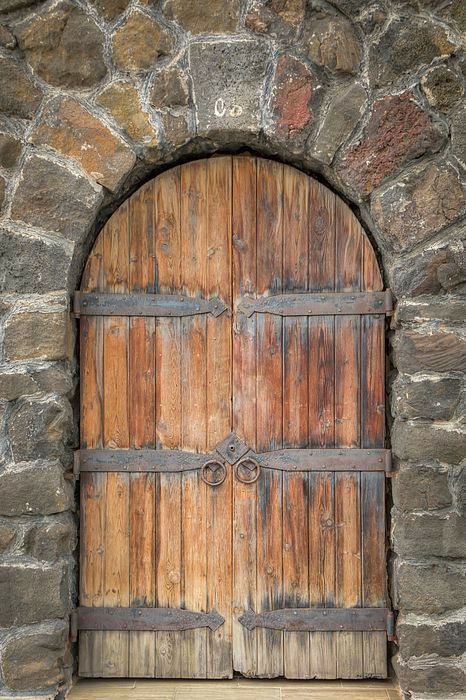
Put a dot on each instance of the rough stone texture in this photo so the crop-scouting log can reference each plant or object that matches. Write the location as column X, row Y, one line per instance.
column 412, row 440
column 176, row 130
column 430, row 588
column 421, row 487
column 430, row 676
column 429, row 534
column 52, row 197
column 344, row 112
column 36, row 658
column 2, row 191
column 110, row 9
column 458, row 135
column 7, row 535
column 438, row 268
column 30, row 264
column 19, row 97
column 37, row 335
column 15, row 383
column 277, row 17
column 442, row 87
column 122, row 101
column 227, row 78
column 430, row 308
column 54, row 378
column 140, row 42
column 31, row 594
column 216, row 16
column 435, row 398
column 419, row 205
column 436, row 352
column 294, row 87
column 406, row 47
column 333, row 43
column 10, row 148
column 35, row 489
column 72, row 130
column 64, row 46
column 12, row 5
column 40, row 429
column 397, row 132
column 445, row 638
column 169, row 89
column 51, row 539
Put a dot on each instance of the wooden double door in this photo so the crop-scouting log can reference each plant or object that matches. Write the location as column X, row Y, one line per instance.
column 232, row 461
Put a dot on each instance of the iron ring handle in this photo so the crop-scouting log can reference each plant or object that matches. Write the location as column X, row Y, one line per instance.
column 209, row 466
column 243, row 463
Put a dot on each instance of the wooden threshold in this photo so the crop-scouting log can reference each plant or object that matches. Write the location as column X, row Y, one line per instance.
column 236, row 689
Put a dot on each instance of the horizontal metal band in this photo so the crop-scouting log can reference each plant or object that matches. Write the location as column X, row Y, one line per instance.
column 145, row 619
column 319, row 304
column 290, row 460
column 332, row 460
column 144, row 460
column 172, row 305
column 318, row 619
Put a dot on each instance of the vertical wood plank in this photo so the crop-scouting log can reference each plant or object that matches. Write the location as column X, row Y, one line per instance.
column 322, row 245
column 194, row 412
column 269, row 413
column 141, row 410
column 348, row 266
column 219, row 419
column 168, row 418
column 116, row 434
column 244, row 410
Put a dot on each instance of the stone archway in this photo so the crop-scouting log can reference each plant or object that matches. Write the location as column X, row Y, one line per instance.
column 367, row 98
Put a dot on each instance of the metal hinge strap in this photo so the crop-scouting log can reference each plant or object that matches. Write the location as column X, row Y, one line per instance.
column 146, row 619
column 151, row 305
column 319, row 304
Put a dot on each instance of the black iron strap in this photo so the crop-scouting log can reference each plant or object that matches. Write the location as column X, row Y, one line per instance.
column 153, row 305
column 319, row 304
column 321, row 620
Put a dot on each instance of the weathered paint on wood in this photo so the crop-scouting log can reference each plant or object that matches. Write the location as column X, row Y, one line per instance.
column 233, row 227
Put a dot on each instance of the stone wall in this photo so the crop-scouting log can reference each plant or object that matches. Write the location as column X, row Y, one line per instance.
column 96, row 96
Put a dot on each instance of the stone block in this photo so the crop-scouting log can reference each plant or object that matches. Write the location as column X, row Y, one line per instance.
column 442, row 87
column 294, row 92
column 429, row 588
column 32, row 265
column 228, row 80
column 51, row 539
column 429, row 534
column 435, row 398
column 15, row 383
column 12, row 5
column 7, row 40
column 37, row 335
column 31, row 594
column 36, row 658
column 333, row 43
column 52, row 197
column 54, row 379
column 123, row 102
column 19, row 97
column 10, row 148
column 398, row 131
column 448, row 308
column 442, row 636
column 430, row 676
column 37, row 488
column 419, row 441
column 7, row 535
column 110, row 9
column 421, row 487
column 437, row 268
column 76, row 133
column 344, row 112
column 215, row 16
column 418, row 205
column 140, row 42
column 64, row 46
column 278, row 17
column 405, row 47
column 40, row 429
column 435, row 352
column 458, row 135
column 169, row 89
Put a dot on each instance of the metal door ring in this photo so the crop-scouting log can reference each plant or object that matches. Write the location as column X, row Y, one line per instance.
column 216, row 470
column 251, row 465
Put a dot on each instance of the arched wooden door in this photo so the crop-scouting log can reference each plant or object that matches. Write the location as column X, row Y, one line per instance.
column 232, row 456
